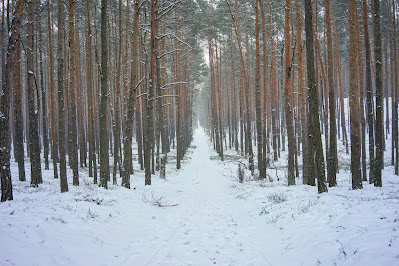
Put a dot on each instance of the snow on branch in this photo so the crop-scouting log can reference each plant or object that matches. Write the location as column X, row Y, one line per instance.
column 174, row 36
column 158, row 97
column 173, row 83
column 167, row 9
column 170, row 52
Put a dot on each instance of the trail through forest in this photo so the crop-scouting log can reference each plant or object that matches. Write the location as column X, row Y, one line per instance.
column 295, row 160
column 208, row 217
column 211, row 222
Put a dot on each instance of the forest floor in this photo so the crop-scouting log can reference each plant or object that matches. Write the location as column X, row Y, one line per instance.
column 206, row 217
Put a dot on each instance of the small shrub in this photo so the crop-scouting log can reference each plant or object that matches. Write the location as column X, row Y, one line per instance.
column 241, row 173
column 305, row 208
column 277, row 197
column 263, row 211
column 91, row 214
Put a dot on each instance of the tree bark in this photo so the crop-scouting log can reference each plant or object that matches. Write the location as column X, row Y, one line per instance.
column 118, row 85
column 302, row 95
column 42, row 89
column 53, row 103
column 90, row 99
column 315, row 152
column 104, row 141
column 61, row 104
column 394, row 74
column 5, row 171
column 149, row 99
column 369, row 90
column 128, row 134
column 72, row 95
column 332, row 150
column 288, row 95
column 354, row 97
column 17, row 80
column 34, row 146
column 261, row 161
column 378, row 88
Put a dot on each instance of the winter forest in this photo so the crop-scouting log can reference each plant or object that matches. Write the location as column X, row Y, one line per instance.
column 180, row 132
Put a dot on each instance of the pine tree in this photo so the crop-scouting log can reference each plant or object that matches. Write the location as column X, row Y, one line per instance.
column 61, row 103
column 17, row 80
column 5, row 171
column 118, row 85
column 104, row 142
column 54, row 143
column 43, row 99
column 36, row 170
column 315, row 152
column 332, row 149
column 288, row 95
column 261, row 161
column 127, row 138
column 369, row 90
column 149, row 98
column 303, row 94
column 394, row 74
column 73, row 159
column 354, row 97
column 378, row 100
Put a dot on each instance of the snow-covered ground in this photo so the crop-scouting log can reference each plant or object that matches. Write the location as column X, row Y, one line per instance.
column 209, row 218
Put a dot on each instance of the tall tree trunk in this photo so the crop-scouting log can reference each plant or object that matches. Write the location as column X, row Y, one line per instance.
column 273, row 85
column 332, row 150
column 149, row 99
column 234, row 92
column 315, row 152
column 128, row 134
column 248, row 101
column 42, row 88
column 54, row 143
column 361, row 103
column 61, row 104
column 5, row 171
column 341, row 94
column 378, row 88
column 385, row 84
column 118, row 85
column 81, row 104
column 215, row 120
column 219, row 101
column 19, row 133
column 302, row 95
column 3, row 50
column 395, row 96
column 288, row 95
column 354, row 97
column 261, row 162
column 369, row 90
column 72, row 95
column 104, row 142
column 90, row 99
column 34, row 146
column 266, row 92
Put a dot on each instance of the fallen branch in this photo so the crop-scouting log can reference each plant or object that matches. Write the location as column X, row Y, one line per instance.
column 157, row 201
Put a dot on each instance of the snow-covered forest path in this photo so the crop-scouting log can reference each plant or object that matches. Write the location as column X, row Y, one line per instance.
column 220, row 221
column 208, row 220
column 217, row 220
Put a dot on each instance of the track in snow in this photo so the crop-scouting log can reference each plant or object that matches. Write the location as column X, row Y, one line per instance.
column 208, row 218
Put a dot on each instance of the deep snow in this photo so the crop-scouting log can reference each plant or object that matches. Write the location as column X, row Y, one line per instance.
column 217, row 220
